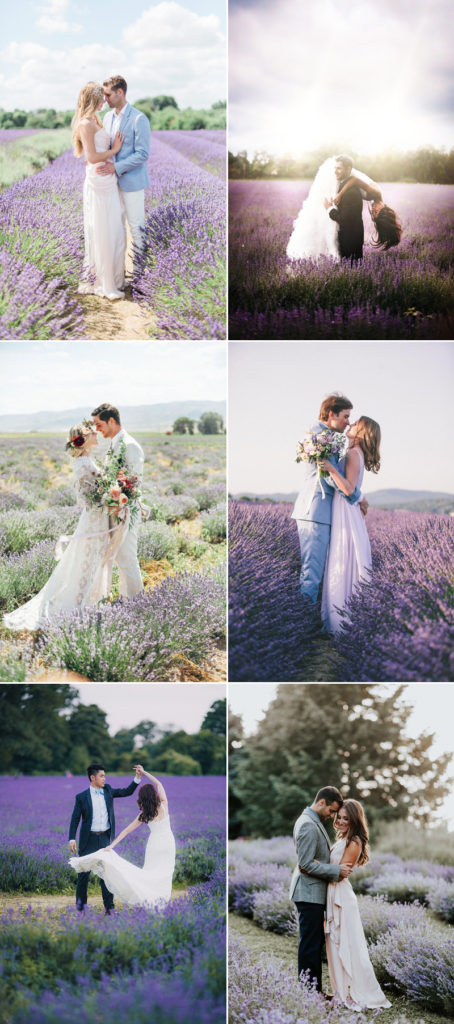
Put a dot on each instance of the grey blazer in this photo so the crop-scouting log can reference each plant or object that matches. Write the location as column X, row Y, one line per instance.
column 313, row 852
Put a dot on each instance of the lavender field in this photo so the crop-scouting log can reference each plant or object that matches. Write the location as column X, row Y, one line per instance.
column 407, row 911
column 172, row 960
column 404, row 293
column 176, row 628
column 180, row 289
column 403, row 620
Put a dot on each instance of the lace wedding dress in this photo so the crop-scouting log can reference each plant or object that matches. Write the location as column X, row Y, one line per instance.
column 349, row 557
column 83, row 574
column 351, row 973
column 314, row 232
column 147, row 886
column 104, row 230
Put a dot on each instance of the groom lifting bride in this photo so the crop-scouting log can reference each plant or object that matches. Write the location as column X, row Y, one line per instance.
column 330, row 510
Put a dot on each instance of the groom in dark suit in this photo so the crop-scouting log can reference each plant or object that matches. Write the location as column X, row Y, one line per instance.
column 96, row 809
column 349, row 213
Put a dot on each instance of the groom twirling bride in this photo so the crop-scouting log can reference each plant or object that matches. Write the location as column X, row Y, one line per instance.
column 329, row 510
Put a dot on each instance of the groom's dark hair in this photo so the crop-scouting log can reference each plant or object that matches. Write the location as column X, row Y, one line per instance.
column 343, row 159
column 116, row 82
column 94, row 768
column 105, row 411
column 330, row 794
column 333, row 403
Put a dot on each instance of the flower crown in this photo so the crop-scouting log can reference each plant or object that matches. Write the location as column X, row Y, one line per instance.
column 79, row 440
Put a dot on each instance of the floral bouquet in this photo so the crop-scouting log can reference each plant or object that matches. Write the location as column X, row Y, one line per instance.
column 116, row 490
column 322, row 445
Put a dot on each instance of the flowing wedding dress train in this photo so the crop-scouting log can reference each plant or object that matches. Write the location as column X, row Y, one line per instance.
column 314, row 232
column 83, row 574
column 349, row 558
column 104, row 230
column 351, row 973
column 147, row 886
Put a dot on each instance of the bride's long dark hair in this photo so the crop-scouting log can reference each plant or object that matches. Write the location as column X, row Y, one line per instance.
column 357, row 828
column 149, row 802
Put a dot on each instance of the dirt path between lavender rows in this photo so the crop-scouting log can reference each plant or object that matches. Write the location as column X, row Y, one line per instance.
column 20, row 901
column 119, row 320
column 321, row 664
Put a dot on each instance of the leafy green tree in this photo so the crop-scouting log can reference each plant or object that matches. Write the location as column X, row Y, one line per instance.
column 215, row 720
column 34, row 732
column 88, row 728
column 183, row 425
column 174, row 763
column 346, row 735
column 211, row 423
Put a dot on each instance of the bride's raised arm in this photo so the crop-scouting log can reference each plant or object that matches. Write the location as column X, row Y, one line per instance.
column 155, row 781
column 371, row 188
column 87, row 130
column 125, row 832
column 346, row 483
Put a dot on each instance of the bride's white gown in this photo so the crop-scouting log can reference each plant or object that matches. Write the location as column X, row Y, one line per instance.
column 351, row 973
column 104, row 230
column 83, row 574
column 314, row 232
column 349, row 558
column 150, row 885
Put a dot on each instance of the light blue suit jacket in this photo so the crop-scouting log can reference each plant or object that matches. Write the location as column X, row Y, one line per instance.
column 319, row 508
column 131, row 161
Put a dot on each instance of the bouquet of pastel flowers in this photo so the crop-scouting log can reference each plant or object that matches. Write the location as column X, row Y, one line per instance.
column 115, row 489
column 322, row 445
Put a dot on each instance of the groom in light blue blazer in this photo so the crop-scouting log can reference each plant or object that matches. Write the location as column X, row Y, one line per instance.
column 130, row 164
column 313, row 506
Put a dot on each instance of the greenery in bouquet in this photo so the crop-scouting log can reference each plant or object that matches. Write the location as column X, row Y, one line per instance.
column 318, row 446
column 116, row 490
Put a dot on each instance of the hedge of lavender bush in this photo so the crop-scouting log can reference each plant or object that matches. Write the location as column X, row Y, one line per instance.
column 22, row 576
column 403, row 620
column 156, row 541
column 419, row 962
column 182, row 278
column 265, row 991
column 135, row 639
column 21, row 530
column 270, row 624
column 404, row 293
column 213, row 524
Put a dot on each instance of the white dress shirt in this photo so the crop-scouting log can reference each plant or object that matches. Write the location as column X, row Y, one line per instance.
column 116, row 122
column 134, row 453
column 100, row 822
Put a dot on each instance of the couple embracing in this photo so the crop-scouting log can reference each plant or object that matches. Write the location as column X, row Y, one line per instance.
column 116, row 152
column 326, row 904
column 107, row 531
column 329, row 509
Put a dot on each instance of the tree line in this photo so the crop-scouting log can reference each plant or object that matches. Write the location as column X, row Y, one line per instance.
column 209, row 423
column 46, row 730
column 162, row 112
column 345, row 735
column 426, row 165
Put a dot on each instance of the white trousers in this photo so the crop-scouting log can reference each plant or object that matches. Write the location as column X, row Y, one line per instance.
column 128, row 565
column 133, row 211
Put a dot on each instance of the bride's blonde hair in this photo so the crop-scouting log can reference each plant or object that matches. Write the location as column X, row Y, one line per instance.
column 90, row 97
column 77, row 438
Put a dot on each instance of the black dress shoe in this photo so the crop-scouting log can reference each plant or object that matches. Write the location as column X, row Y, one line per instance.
column 80, row 907
column 108, row 911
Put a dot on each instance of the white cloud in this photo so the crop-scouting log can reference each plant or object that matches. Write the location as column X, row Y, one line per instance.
column 168, row 49
column 52, row 18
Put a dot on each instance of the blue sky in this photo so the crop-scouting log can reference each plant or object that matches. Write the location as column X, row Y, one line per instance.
column 352, row 74
column 49, row 49
column 275, row 392
column 433, row 707
column 55, row 375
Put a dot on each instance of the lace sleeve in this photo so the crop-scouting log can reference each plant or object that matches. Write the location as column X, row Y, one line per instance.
column 85, row 474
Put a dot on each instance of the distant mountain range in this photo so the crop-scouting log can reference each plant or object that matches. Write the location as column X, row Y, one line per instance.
column 393, row 498
column 159, row 417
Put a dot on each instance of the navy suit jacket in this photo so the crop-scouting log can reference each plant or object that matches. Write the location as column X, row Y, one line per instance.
column 83, row 808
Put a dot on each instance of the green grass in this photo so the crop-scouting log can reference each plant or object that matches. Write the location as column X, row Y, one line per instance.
column 31, row 153
column 284, row 948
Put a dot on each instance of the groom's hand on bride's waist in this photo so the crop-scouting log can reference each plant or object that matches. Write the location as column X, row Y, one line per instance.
column 107, row 168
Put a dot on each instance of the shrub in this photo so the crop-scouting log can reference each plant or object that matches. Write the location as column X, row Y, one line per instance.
column 245, row 880
column 23, row 576
column 20, row 531
column 61, row 496
column 441, row 901
column 274, row 912
column 419, row 962
column 156, row 541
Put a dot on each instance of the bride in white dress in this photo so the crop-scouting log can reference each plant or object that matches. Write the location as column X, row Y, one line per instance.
column 152, row 884
column 104, row 229
column 351, row 973
column 349, row 557
column 314, row 233
column 83, row 574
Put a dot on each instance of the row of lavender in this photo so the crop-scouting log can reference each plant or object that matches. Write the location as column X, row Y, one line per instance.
column 403, row 620
column 410, row 950
column 185, row 613
column 171, row 961
column 404, row 293
column 182, row 277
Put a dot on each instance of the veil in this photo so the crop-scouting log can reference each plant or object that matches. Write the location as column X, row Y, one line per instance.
column 314, row 232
